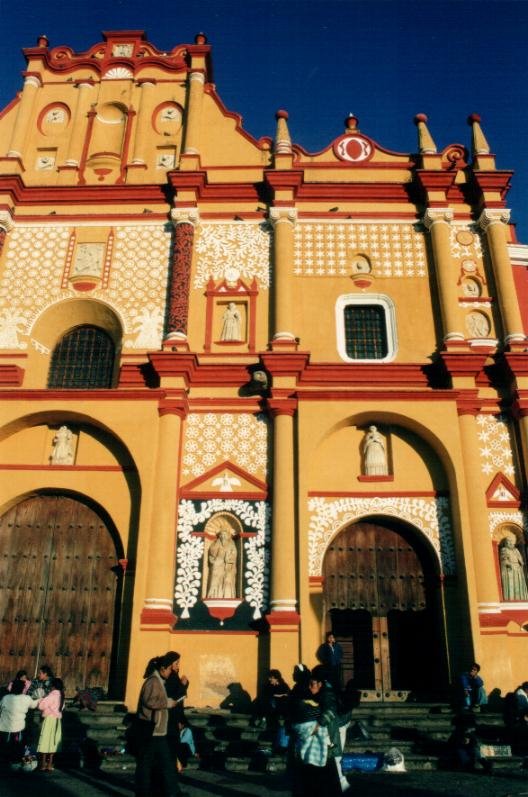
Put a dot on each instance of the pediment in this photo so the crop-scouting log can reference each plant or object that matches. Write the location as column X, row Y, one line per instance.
column 502, row 493
column 223, row 481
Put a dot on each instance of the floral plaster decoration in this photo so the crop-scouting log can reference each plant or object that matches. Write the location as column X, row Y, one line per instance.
column 243, row 247
column 395, row 250
column 216, row 437
column 255, row 517
column 496, row 444
column 429, row 515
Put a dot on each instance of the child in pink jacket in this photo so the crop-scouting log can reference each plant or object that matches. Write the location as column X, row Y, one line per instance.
column 51, row 731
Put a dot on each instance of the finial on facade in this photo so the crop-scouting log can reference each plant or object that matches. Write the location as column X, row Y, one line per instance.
column 479, row 145
column 426, row 144
column 351, row 124
column 200, row 38
column 42, row 41
column 283, row 144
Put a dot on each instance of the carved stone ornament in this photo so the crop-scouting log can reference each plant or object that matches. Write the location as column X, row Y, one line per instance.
column 185, row 216
column 6, row 222
column 489, row 217
column 122, row 50
column 434, row 215
column 63, row 448
column 88, row 260
column 283, row 215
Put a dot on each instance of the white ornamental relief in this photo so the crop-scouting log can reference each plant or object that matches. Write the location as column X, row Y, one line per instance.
column 499, row 518
column 330, row 249
column 496, row 448
column 149, row 327
column 465, row 242
column 138, row 280
column 241, row 246
column 34, row 266
column 12, row 324
column 212, row 438
column 429, row 515
column 255, row 518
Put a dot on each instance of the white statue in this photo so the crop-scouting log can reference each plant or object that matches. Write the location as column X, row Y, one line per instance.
column 374, row 453
column 231, row 326
column 222, row 558
column 512, row 571
column 62, row 452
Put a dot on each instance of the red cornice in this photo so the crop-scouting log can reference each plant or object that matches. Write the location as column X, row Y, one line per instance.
column 382, row 375
column 464, row 363
column 72, row 468
column 493, row 181
column 82, row 395
column 358, row 394
column 11, row 375
column 23, row 195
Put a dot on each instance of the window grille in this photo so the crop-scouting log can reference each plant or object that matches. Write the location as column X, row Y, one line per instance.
column 83, row 358
column 365, row 332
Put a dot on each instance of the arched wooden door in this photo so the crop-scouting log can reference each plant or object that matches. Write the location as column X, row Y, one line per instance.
column 58, row 586
column 382, row 601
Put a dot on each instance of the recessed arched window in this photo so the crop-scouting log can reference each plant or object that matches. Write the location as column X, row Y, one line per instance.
column 83, row 358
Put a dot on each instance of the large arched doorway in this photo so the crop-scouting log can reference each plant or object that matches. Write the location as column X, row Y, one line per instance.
column 59, row 584
column 383, row 602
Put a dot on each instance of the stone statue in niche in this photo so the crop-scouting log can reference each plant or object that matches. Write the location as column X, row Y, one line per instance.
column 63, row 449
column 222, row 559
column 231, row 323
column 375, row 454
column 512, row 571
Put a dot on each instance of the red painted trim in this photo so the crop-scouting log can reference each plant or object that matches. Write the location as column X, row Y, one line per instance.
column 83, row 395
column 206, row 405
column 235, row 494
column 157, row 617
column 11, row 375
column 84, row 154
column 375, row 478
column 283, row 618
column 376, row 395
column 384, row 494
column 22, row 195
column 208, row 632
column 519, row 616
column 126, row 145
column 75, row 468
column 9, row 106
column 501, row 480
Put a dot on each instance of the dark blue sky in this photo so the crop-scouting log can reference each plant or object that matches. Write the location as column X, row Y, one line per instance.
column 383, row 61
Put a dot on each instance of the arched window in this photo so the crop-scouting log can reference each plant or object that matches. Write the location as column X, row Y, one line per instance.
column 83, row 358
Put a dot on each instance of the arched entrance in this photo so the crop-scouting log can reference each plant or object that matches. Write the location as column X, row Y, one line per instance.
column 59, row 580
column 383, row 602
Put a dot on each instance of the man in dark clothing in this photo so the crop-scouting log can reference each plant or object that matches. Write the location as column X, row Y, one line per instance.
column 330, row 654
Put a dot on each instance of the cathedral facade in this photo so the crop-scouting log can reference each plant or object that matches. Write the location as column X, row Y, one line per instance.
column 251, row 393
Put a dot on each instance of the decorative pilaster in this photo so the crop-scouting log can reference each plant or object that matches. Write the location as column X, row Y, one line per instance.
column 6, row 225
column 143, row 127
column 438, row 223
column 194, row 113
column 31, row 85
column 159, row 591
column 283, row 617
column 494, row 223
column 487, row 588
column 184, row 220
column 283, row 221
column 79, row 122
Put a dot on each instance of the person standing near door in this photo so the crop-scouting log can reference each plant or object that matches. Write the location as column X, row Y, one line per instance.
column 330, row 655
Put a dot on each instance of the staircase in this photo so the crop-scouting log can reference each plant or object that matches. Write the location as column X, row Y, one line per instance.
column 420, row 731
